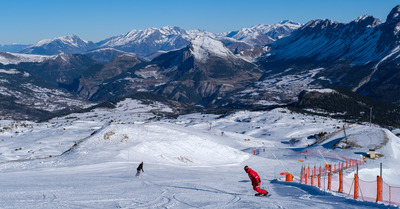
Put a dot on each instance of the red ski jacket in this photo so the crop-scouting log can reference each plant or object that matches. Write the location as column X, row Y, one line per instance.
column 254, row 177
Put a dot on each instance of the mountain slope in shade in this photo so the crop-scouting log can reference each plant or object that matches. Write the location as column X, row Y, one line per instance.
column 104, row 55
column 97, row 76
column 26, row 96
column 201, row 73
column 329, row 40
column 68, row 44
column 61, row 69
column 204, row 72
column 361, row 55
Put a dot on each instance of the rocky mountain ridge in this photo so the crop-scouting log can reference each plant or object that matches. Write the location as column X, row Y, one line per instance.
column 151, row 42
column 361, row 56
column 214, row 72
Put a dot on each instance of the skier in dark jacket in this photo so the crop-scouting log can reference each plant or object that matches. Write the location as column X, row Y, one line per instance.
column 255, row 181
column 139, row 168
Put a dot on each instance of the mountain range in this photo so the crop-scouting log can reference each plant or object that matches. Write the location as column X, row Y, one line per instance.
column 362, row 55
column 253, row 67
column 151, row 42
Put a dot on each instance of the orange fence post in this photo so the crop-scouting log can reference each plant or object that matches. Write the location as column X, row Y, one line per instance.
column 315, row 171
column 355, row 186
column 305, row 178
column 308, row 171
column 334, row 168
column 379, row 189
column 340, row 181
column 320, row 170
column 319, row 180
column 312, row 179
column 301, row 175
column 329, row 181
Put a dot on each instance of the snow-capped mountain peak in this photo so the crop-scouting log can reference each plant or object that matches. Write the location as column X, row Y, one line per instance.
column 71, row 44
column 258, row 35
column 141, row 36
column 73, row 40
column 367, row 21
column 148, row 42
column 202, row 47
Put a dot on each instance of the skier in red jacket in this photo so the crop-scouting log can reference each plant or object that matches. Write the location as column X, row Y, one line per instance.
column 255, row 181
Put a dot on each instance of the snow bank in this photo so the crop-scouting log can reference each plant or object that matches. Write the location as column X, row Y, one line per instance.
column 160, row 144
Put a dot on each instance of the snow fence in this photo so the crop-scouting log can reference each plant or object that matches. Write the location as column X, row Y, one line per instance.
column 330, row 178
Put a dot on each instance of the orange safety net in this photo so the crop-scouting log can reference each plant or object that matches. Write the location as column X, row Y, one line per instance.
column 390, row 194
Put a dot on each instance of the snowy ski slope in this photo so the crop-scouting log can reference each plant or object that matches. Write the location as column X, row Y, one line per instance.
column 194, row 161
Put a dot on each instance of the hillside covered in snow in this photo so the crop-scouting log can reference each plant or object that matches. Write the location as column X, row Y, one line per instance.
column 89, row 159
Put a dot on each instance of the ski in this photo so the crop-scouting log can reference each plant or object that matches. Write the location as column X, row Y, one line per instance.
column 262, row 195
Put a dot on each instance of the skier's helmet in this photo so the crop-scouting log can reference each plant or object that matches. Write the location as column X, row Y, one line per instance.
column 246, row 168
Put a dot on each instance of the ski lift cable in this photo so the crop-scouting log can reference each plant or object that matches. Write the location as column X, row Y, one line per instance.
column 322, row 157
column 278, row 160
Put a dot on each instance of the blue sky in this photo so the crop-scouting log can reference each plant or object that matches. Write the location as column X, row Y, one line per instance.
column 28, row 21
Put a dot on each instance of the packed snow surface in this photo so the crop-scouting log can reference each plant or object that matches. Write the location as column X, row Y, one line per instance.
column 89, row 160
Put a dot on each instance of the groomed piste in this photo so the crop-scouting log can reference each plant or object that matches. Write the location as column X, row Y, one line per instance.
column 193, row 161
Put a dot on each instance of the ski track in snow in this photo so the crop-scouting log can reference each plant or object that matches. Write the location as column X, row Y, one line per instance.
column 195, row 161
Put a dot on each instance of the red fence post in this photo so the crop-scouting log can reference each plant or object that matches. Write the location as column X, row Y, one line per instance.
column 319, row 180
column 328, row 169
column 340, row 181
column 315, row 171
column 329, row 181
column 379, row 189
column 355, row 186
column 312, row 179
column 305, row 177
column 301, row 175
